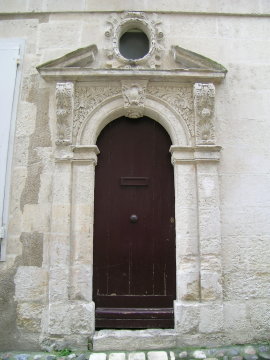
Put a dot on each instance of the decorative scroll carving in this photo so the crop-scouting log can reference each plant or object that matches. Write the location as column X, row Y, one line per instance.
column 134, row 97
column 180, row 98
column 64, row 112
column 87, row 99
column 118, row 24
column 204, row 102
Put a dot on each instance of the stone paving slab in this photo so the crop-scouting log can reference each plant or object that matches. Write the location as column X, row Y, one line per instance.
column 244, row 352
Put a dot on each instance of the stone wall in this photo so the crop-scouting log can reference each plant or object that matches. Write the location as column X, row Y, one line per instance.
column 233, row 34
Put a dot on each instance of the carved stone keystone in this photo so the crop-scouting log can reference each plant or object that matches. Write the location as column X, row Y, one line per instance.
column 134, row 97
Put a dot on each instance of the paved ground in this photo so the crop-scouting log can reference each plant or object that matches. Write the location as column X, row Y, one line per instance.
column 244, row 352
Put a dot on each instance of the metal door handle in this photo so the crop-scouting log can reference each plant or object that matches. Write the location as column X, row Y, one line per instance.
column 133, row 218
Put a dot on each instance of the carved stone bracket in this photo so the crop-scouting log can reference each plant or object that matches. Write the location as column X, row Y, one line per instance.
column 134, row 97
column 204, row 105
column 64, row 112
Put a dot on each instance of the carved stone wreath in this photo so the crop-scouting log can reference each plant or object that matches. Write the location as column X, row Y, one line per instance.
column 118, row 24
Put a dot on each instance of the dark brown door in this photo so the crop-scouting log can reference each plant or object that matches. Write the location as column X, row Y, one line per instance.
column 134, row 230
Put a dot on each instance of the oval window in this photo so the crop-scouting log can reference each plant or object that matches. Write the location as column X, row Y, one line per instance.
column 134, row 44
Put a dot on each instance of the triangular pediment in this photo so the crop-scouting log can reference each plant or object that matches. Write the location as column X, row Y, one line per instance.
column 186, row 59
column 177, row 65
column 82, row 57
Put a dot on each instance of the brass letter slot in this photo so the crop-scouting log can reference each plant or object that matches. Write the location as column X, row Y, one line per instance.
column 134, row 181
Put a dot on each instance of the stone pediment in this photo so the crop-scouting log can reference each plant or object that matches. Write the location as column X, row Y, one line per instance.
column 188, row 60
column 89, row 64
column 79, row 58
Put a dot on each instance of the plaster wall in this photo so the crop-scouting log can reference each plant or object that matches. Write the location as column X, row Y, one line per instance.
column 235, row 35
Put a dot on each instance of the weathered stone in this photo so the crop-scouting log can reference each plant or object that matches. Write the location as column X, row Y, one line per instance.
column 157, row 355
column 217, row 352
column 98, row 356
column 241, row 126
column 264, row 355
column 183, row 354
column 250, row 350
column 232, row 352
column 51, row 357
column 82, row 357
column 134, row 340
column 32, row 254
column 211, row 318
column 31, row 282
column 199, row 354
column 22, row 357
column 186, row 316
column 237, row 357
column 136, row 356
column 117, row 356
column 172, row 355
column 6, row 356
column 71, row 356
column 37, row 357
column 250, row 357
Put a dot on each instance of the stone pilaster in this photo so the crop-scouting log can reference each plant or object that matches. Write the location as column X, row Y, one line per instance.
column 187, row 250
column 207, row 158
column 84, row 162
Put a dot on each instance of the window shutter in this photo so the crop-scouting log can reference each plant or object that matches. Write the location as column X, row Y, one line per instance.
column 9, row 60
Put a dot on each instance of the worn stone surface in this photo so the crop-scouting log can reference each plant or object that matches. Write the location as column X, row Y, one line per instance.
column 157, row 355
column 221, row 353
column 222, row 211
column 133, row 340
column 32, row 251
column 136, row 356
column 98, row 356
column 39, row 138
column 8, row 329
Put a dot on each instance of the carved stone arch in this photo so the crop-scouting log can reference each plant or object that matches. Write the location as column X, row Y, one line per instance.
column 113, row 108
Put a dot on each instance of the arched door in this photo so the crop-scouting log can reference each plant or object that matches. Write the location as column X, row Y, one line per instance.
column 134, row 231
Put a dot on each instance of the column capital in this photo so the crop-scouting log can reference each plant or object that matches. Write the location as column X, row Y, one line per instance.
column 189, row 154
column 85, row 153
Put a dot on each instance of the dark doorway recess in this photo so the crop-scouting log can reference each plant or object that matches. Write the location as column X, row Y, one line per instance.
column 134, row 281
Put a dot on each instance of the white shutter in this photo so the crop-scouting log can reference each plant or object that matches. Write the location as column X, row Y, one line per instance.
column 9, row 60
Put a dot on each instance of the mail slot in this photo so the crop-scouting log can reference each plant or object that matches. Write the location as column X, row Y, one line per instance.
column 134, row 181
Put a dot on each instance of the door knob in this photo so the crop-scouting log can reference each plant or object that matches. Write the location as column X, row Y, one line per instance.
column 133, row 218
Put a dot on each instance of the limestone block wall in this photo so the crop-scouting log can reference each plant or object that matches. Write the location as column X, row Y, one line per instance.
column 235, row 34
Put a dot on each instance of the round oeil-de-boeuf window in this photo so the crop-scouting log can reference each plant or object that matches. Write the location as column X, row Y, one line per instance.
column 134, row 44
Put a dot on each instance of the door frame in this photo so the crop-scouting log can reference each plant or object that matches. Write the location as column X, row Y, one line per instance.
column 70, row 257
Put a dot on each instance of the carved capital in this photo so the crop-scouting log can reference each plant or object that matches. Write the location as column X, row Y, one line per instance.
column 204, row 105
column 134, row 97
column 64, row 112
column 86, row 154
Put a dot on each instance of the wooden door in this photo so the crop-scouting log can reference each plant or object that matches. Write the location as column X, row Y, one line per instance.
column 134, row 231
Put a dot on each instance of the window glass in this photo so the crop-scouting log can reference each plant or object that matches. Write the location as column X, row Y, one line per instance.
column 134, row 44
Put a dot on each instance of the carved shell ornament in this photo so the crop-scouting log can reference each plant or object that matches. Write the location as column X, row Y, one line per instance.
column 117, row 25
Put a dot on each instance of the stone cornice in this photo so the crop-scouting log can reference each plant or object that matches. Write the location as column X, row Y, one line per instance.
column 88, row 74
